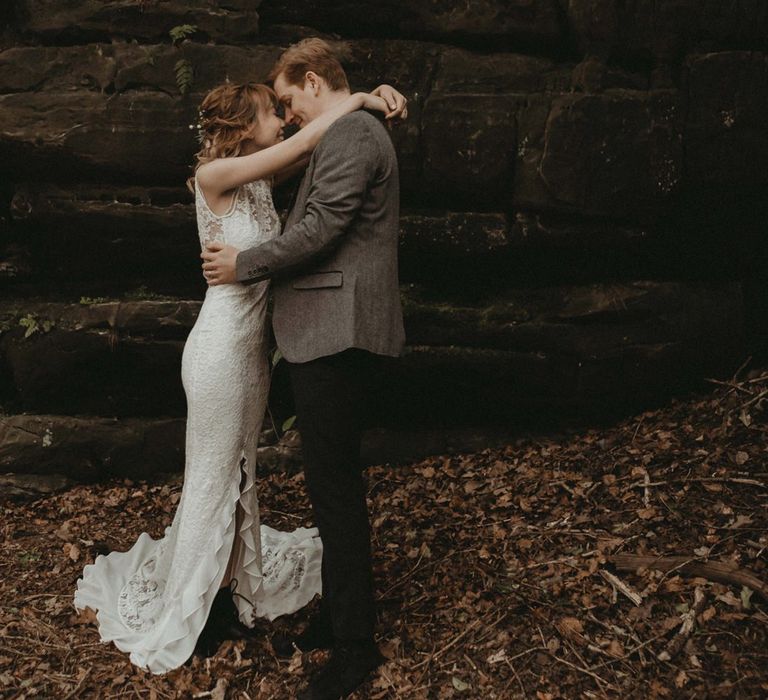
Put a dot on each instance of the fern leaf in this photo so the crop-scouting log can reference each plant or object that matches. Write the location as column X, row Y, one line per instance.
column 184, row 75
column 181, row 32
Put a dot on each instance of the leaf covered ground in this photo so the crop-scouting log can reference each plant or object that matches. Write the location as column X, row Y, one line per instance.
column 495, row 571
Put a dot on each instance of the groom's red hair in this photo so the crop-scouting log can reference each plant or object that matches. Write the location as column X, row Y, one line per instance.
column 312, row 54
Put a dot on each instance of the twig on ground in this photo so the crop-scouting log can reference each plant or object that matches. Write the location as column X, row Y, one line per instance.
column 647, row 490
column 622, row 587
column 733, row 387
column 561, row 560
column 632, row 651
column 733, row 382
column 517, row 676
column 754, row 399
column 414, row 569
column 79, row 685
column 478, row 671
column 705, row 479
column 473, row 625
column 453, row 642
column 586, row 671
column 686, row 629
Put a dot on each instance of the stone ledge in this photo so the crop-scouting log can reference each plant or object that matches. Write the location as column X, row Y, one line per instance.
column 566, row 345
column 44, row 453
column 86, row 20
column 673, row 308
column 642, row 29
column 88, row 448
column 146, row 236
column 499, row 131
column 26, row 486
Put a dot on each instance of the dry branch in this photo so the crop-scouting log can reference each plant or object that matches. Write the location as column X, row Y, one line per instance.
column 718, row 571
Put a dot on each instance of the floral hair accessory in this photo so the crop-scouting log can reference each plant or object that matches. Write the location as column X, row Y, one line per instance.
column 199, row 126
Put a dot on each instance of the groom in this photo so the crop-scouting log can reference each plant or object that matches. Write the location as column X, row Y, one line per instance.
column 336, row 317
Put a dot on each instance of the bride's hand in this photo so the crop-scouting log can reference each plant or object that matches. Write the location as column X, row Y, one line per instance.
column 370, row 101
column 395, row 101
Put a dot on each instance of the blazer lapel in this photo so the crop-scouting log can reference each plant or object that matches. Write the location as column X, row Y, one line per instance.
column 299, row 199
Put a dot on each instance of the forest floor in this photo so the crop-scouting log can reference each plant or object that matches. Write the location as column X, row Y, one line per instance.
column 503, row 574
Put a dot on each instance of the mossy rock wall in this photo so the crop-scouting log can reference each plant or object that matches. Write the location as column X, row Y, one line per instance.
column 583, row 208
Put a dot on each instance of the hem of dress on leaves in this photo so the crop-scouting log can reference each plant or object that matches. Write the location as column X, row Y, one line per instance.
column 178, row 633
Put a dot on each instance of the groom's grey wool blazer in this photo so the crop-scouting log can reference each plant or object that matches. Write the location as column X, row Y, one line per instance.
column 335, row 264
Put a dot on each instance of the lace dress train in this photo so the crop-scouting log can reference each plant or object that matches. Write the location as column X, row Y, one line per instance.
column 153, row 600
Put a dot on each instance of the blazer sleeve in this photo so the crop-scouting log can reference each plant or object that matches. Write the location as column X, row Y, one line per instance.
column 346, row 160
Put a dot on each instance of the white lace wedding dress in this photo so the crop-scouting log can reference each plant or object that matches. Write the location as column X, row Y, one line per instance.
column 153, row 600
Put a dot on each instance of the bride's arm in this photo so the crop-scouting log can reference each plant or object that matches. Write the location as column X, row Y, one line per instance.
column 224, row 174
column 396, row 102
column 291, row 170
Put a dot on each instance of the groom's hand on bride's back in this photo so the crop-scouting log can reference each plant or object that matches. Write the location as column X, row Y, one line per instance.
column 219, row 264
column 397, row 102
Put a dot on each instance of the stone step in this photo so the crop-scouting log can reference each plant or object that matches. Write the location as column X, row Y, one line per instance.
column 626, row 31
column 233, row 21
column 499, row 131
column 40, row 454
column 618, row 30
column 236, row 22
column 486, row 22
column 30, row 486
column 134, row 236
column 601, row 346
column 146, row 236
column 88, row 448
column 125, row 98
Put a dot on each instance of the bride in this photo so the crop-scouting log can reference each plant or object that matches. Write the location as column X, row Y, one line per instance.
column 216, row 559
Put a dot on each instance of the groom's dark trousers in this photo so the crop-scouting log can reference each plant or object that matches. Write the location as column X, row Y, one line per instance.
column 337, row 313
column 333, row 397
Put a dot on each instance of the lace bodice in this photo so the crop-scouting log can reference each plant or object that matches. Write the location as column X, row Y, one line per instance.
column 251, row 218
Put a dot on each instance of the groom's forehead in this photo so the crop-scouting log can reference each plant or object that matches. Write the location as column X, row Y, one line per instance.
column 283, row 88
column 280, row 85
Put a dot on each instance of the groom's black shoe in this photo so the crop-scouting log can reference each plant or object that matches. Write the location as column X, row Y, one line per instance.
column 223, row 623
column 318, row 634
column 349, row 667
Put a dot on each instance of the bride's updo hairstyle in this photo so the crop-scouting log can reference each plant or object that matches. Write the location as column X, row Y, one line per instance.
column 226, row 115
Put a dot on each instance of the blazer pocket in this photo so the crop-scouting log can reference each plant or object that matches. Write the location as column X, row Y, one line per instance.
column 319, row 280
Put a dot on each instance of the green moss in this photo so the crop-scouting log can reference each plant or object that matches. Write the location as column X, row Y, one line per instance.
column 144, row 294
column 494, row 312
column 29, row 557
